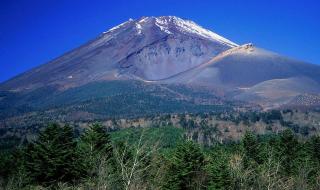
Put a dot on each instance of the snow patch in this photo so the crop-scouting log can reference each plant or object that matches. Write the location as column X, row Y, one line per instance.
column 188, row 26
column 144, row 19
column 119, row 26
column 192, row 27
column 139, row 28
column 163, row 25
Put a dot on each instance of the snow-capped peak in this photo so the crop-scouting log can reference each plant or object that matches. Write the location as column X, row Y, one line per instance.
column 172, row 24
column 187, row 26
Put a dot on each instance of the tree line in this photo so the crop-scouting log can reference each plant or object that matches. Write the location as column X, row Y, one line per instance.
column 59, row 160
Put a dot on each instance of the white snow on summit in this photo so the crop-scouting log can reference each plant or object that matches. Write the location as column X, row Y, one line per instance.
column 163, row 25
column 188, row 26
column 171, row 24
column 119, row 26
column 139, row 28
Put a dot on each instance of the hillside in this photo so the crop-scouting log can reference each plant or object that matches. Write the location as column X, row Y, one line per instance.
column 155, row 65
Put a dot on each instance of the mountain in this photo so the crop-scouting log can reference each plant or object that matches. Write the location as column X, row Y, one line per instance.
column 252, row 74
column 150, row 48
column 157, row 65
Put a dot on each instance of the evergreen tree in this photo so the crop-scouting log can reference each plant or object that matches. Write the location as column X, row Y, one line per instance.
column 6, row 163
column 289, row 145
column 275, row 143
column 187, row 165
column 251, row 148
column 312, row 151
column 95, row 144
column 219, row 171
column 52, row 157
column 97, row 141
column 315, row 148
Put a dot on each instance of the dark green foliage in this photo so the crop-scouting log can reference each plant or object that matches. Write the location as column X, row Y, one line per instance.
column 97, row 140
column 95, row 143
column 110, row 99
column 53, row 156
column 312, row 151
column 303, row 130
column 186, row 167
column 8, row 143
column 251, row 147
column 97, row 160
column 289, row 146
column 315, row 148
column 269, row 117
column 219, row 172
column 6, row 163
column 166, row 137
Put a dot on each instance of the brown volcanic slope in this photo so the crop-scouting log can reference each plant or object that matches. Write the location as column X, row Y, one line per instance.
column 252, row 74
column 169, row 50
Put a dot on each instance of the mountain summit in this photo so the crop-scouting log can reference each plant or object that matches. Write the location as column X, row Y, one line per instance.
column 174, row 62
column 150, row 48
column 171, row 25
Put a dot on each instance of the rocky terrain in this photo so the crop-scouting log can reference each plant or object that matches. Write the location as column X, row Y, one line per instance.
column 157, row 65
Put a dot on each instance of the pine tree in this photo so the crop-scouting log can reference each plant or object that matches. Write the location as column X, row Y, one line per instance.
column 6, row 162
column 219, row 171
column 315, row 143
column 52, row 157
column 251, row 148
column 97, row 140
column 187, row 165
column 94, row 145
column 289, row 145
column 312, row 151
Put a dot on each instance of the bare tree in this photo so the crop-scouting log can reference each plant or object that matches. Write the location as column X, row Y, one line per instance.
column 270, row 177
column 239, row 174
column 133, row 168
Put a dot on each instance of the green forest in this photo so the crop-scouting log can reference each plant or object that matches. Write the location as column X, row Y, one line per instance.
column 159, row 158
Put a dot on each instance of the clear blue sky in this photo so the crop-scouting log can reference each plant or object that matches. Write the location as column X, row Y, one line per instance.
column 33, row 32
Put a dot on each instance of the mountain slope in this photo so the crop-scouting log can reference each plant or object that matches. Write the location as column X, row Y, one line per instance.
column 245, row 66
column 158, row 65
column 252, row 74
column 104, row 100
column 151, row 48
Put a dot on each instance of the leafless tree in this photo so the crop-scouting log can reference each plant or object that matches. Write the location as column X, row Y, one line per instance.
column 132, row 169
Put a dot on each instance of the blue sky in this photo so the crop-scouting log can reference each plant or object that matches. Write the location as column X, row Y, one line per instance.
column 33, row 32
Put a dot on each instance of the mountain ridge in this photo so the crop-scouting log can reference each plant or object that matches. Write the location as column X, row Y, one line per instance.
column 101, row 52
column 175, row 61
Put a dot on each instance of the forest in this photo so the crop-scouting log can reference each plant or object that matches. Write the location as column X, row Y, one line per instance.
column 159, row 158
